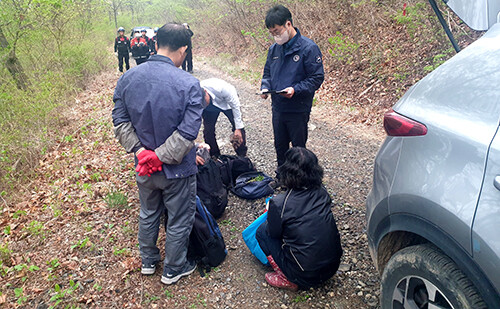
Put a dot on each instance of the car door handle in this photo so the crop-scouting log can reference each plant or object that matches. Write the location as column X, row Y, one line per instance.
column 496, row 182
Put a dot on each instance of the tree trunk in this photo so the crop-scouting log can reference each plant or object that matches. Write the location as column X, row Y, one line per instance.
column 13, row 65
column 115, row 5
column 116, row 21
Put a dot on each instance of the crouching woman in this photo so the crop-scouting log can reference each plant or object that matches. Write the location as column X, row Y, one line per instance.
column 300, row 237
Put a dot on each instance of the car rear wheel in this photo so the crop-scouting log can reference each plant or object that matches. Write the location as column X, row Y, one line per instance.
column 422, row 277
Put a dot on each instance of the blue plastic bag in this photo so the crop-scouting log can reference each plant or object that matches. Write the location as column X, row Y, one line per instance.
column 251, row 242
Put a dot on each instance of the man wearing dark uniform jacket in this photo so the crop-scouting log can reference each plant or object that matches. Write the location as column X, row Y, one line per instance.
column 294, row 67
column 187, row 65
column 140, row 47
column 122, row 49
column 152, row 42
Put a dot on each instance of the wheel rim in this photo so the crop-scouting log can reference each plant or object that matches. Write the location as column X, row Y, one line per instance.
column 413, row 292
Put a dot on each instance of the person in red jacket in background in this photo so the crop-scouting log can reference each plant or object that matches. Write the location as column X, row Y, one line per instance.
column 122, row 49
column 140, row 47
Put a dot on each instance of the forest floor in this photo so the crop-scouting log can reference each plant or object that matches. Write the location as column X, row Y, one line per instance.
column 73, row 235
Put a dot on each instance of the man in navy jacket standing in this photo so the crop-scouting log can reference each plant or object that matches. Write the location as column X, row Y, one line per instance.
column 294, row 67
column 159, row 120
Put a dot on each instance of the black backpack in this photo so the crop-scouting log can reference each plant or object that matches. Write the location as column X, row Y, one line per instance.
column 210, row 188
column 206, row 244
column 233, row 166
column 253, row 185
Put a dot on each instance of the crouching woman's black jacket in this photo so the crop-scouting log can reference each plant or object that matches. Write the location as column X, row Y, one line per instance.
column 303, row 220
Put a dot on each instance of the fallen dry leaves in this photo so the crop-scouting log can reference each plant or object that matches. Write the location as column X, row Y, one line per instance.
column 62, row 231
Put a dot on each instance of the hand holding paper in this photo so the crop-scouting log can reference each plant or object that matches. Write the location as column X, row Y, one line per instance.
column 287, row 92
column 263, row 93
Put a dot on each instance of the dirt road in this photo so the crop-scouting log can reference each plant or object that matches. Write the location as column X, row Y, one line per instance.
column 74, row 228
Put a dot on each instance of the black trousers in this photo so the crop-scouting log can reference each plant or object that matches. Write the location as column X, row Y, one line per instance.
column 140, row 60
column 123, row 58
column 304, row 279
column 188, row 62
column 210, row 116
column 289, row 128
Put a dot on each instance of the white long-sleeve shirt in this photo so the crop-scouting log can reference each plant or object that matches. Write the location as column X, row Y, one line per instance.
column 225, row 97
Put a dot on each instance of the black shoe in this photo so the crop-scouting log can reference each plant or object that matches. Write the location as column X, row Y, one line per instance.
column 148, row 267
column 170, row 277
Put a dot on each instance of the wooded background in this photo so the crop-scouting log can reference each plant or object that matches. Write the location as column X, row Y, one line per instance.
column 373, row 50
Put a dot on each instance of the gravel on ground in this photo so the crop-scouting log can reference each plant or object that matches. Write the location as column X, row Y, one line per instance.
column 69, row 227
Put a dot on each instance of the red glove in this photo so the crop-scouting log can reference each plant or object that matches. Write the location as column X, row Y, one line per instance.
column 142, row 170
column 150, row 159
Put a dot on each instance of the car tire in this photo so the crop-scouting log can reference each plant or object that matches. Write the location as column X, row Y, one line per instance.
column 414, row 274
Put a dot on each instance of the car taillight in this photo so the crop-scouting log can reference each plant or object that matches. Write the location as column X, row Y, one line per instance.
column 398, row 125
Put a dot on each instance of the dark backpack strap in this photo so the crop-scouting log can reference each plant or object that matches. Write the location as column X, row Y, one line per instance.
column 207, row 216
column 230, row 164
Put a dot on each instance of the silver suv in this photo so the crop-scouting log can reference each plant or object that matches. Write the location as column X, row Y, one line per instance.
column 433, row 213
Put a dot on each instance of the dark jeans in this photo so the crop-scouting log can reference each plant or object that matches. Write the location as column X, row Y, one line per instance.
column 188, row 62
column 210, row 116
column 177, row 199
column 289, row 128
column 121, row 59
column 304, row 279
column 140, row 60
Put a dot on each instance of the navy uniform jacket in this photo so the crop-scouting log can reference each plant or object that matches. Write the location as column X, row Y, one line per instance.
column 152, row 44
column 122, row 45
column 157, row 99
column 297, row 64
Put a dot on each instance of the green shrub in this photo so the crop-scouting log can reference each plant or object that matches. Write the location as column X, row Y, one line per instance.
column 342, row 48
column 414, row 19
column 77, row 63
column 438, row 60
column 35, row 228
column 30, row 120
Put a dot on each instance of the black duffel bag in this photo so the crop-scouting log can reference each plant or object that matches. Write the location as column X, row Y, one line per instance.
column 233, row 166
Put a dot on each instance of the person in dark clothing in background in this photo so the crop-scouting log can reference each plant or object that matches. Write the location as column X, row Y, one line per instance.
column 300, row 237
column 140, row 47
column 221, row 97
column 122, row 49
column 295, row 65
column 152, row 42
column 159, row 120
column 187, row 65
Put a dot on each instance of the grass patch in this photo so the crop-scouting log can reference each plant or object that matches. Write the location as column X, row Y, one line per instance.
column 116, row 199
column 5, row 254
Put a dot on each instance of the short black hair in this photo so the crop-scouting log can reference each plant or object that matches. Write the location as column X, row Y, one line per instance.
column 301, row 169
column 278, row 15
column 173, row 36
